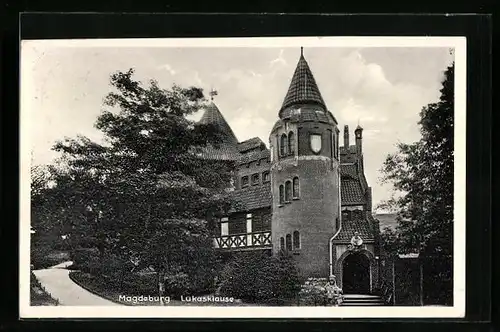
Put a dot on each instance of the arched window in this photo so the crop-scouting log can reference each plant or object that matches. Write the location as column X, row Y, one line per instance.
column 334, row 146
column 295, row 187
column 291, row 143
column 296, row 240
column 283, row 145
column 282, row 194
column 288, row 242
column 288, row 191
column 282, row 244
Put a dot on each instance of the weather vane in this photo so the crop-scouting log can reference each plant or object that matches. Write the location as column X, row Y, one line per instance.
column 212, row 94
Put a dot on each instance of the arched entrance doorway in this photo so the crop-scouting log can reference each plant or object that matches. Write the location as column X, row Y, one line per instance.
column 356, row 274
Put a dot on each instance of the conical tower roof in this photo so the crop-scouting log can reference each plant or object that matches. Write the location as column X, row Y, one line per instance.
column 303, row 88
column 213, row 116
column 228, row 148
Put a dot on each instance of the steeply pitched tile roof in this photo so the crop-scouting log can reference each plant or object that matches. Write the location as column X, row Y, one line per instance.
column 213, row 116
column 249, row 144
column 351, row 191
column 228, row 148
column 308, row 113
column 349, row 227
column 254, row 197
column 303, row 87
column 348, row 171
column 254, row 155
column 223, row 151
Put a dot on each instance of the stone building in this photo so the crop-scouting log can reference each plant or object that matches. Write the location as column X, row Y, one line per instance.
column 307, row 195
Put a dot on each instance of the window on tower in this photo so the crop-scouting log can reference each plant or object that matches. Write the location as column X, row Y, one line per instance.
column 334, row 146
column 296, row 240
column 283, row 145
column 282, row 194
column 288, row 242
column 295, row 187
column 291, row 143
column 282, row 243
column 288, row 191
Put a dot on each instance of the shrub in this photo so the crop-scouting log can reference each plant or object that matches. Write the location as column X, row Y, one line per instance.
column 257, row 277
column 86, row 259
column 314, row 292
column 44, row 256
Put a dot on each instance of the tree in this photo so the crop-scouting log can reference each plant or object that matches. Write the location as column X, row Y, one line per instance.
column 143, row 195
column 422, row 173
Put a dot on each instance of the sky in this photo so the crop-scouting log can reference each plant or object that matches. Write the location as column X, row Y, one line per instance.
column 382, row 89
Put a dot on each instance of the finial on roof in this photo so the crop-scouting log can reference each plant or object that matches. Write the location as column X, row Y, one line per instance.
column 301, row 51
column 213, row 93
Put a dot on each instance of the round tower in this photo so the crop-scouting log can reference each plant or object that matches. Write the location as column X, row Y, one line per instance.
column 305, row 177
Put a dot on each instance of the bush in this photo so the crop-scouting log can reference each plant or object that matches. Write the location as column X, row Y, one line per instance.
column 313, row 292
column 44, row 256
column 259, row 278
column 86, row 259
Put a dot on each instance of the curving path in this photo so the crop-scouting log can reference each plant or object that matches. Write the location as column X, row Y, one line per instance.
column 57, row 282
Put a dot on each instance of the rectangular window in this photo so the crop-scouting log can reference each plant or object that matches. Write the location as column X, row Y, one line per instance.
column 255, row 179
column 224, row 227
column 237, row 226
column 249, row 223
column 244, row 181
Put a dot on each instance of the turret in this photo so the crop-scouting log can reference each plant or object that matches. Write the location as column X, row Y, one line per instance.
column 346, row 137
column 305, row 177
column 359, row 140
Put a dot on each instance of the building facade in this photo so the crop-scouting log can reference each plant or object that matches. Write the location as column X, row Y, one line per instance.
column 307, row 195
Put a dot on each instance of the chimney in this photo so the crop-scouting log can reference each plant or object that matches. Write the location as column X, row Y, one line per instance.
column 346, row 138
column 359, row 138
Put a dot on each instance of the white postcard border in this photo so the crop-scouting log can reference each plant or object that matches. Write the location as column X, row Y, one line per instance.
column 457, row 310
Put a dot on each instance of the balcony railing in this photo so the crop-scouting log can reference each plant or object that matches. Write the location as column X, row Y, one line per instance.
column 255, row 240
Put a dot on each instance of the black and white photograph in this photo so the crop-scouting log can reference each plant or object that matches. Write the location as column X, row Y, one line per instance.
column 243, row 177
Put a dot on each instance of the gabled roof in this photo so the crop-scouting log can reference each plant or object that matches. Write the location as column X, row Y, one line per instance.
column 303, row 88
column 213, row 116
column 349, row 227
column 254, row 155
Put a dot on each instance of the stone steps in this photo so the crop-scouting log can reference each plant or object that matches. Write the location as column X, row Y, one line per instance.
column 353, row 300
